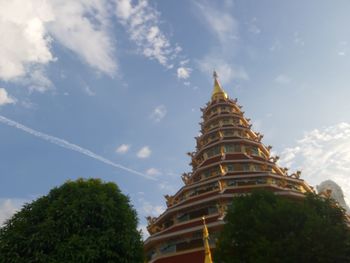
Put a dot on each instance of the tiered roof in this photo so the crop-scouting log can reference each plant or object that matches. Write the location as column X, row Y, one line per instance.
column 229, row 160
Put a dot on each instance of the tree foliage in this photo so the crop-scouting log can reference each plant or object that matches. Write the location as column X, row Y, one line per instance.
column 263, row 227
column 81, row 221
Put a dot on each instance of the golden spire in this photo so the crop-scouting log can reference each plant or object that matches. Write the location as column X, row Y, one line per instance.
column 207, row 252
column 218, row 92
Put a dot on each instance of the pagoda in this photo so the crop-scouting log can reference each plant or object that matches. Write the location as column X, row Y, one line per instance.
column 229, row 160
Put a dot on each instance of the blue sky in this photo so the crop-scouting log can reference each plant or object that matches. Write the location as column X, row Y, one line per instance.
column 125, row 80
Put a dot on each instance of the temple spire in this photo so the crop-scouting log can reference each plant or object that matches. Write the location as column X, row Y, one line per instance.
column 218, row 91
column 207, row 252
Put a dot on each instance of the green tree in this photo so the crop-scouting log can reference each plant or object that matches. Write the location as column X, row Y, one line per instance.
column 81, row 221
column 264, row 227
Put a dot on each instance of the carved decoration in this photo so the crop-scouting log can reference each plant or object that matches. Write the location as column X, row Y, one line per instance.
column 223, row 156
column 222, row 208
column 259, row 137
column 191, row 154
column 274, row 159
column 269, row 147
column 285, row 170
column 154, row 229
column 186, row 178
column 296, row 175
column 169, row 200
column 151, row 220
column 222, row 170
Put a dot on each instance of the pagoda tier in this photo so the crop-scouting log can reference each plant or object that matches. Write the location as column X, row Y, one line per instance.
column 229, row 160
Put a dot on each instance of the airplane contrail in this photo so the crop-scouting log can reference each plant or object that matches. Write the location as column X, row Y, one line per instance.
column 68, row 145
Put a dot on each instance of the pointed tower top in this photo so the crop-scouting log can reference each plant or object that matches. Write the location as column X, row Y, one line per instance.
column 218, row 92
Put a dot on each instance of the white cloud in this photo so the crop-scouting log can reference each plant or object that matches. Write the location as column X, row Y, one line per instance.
column 82, row 27
column 29, row 27
column 124, row 148
column 158, row 113
column 226, row 71
column 5, row 98
column 219, row 20
column 183, row 73
column 153, row 171
column 144, row 152
column 8, row 207
column 142, row 23
column 282, row 79
column 151, row 209
column 36, row 80
column 24, row 40
column 323, row 154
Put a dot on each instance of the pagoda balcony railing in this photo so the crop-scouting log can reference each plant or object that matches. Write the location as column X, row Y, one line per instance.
column 225, row 125
column 244, row 166
column 219, row 104
column 222, row 112
column 239, row 183
column 248, row 149
column 239, row 133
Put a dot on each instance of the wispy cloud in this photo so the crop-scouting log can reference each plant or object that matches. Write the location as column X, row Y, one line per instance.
column 298, row 40
column 253, row 27
column 183, row 72
column 88, row 90
column 124, row 148
column 158, row 113
column 144, row 152
column 342, row 48
column 149, row 209
column 218, row 17
column 282, row 79
column 153, row 172
column 219, row 20
column 227, row 72
column 70, row 146
column 5, row 98
column 323, row 154
column 142, row 23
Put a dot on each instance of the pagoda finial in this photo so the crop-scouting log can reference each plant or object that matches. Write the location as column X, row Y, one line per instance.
column 215, row 75
column 218, row 92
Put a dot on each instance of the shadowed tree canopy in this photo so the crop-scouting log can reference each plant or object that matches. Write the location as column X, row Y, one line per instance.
column 263, row 227
column 81, row 221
